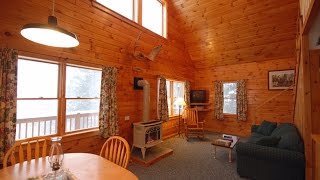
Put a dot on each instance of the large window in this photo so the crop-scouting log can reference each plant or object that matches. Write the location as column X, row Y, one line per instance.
column 37, row 99
column 82, row 98
column 230, row 98
column 175, row 89
column 55, row 95
column 151, row 14
column 123, row 7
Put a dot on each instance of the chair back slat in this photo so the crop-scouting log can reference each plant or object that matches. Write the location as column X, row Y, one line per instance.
column 36, row 150
column 112, row 145
column 116, row 149
column 12, row 159
column 120, row 154
column 29, row 148
column 44, row 149
column 21, row 154
column 28, row 152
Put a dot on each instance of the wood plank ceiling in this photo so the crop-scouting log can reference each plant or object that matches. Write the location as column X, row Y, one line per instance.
column 224, row 32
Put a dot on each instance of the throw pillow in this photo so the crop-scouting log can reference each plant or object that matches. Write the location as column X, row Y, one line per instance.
column 291, row 141
column 269, row 141
column 255, row 137
column 266, row 128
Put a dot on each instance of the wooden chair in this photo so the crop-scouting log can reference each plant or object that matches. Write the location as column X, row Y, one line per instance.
column 193, row 127
column 32, row 148
column 116, row 149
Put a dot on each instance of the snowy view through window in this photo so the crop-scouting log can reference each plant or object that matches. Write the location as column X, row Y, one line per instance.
column 123, row 7
column 38, row 101
column 230, row 98
column 84, row 85
column 177, row 91
column 152, row 15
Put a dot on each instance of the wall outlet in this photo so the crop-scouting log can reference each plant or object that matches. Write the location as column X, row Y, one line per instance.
column 127, row 118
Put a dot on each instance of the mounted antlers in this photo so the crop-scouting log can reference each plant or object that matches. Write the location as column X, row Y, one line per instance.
column 151, row 56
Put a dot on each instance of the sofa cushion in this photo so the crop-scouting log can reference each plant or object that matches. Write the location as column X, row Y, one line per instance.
column 270, row 141
column 266, row 128
column 283, row 128
column 255, row 137
column 290, row 138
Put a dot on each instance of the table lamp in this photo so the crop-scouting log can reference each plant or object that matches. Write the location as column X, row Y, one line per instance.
column 180, row 102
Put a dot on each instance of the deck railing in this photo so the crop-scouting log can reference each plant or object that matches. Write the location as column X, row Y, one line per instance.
column 42, row 126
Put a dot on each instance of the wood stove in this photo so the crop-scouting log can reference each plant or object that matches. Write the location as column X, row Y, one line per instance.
column 147, row 134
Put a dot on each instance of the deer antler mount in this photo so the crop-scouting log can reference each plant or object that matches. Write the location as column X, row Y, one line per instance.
column 141, row 56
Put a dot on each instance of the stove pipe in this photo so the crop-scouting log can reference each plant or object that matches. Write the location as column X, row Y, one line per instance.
column 146, row 99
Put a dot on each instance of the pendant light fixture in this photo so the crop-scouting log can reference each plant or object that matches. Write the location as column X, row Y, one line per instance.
column 50, row 34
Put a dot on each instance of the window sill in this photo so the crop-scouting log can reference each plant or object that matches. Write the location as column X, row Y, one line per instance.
column 230, row 115
column 124, row 19
column 71, row 135
column 80, row 134
column 174, row 116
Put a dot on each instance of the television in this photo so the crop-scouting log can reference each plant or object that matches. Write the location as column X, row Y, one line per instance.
column 197, row 96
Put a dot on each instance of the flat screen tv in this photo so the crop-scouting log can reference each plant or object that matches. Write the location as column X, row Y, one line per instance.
column 197, row 96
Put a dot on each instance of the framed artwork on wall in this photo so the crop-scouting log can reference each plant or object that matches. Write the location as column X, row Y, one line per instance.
column 283, row 79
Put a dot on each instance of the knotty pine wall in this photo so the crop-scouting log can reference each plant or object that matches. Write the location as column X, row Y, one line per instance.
column 279, row 109
column 238, row 31
column 104, row 40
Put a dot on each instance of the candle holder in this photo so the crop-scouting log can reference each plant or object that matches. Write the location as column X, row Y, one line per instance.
column 55, row 159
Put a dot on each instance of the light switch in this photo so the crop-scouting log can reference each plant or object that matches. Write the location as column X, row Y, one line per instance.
column 127, row 118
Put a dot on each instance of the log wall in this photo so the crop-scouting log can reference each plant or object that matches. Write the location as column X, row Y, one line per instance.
column 279, row 109
column 104, row 40
column 238, row 31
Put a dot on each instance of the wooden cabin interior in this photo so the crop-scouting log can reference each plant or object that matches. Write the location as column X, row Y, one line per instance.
column 203, row 41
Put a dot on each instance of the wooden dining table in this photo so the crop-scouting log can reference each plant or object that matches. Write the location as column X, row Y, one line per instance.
column 81, row 165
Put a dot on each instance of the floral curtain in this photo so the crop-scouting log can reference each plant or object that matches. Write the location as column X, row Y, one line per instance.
column 8, row 99
column 187, row 93
column 108, row 117
column 242, row 102
column 163, row 112
column 218, row 102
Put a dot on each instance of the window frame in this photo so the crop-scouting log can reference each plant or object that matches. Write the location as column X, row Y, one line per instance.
column 76, row 98
column 137, row 15
column 41, row 98
column 172, row 98
column 61, row 96
column 229, row 114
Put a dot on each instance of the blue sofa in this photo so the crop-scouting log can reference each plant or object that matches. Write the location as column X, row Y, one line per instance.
column 272, row 153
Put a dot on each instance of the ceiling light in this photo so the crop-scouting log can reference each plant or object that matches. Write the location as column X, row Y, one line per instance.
column 50, row 34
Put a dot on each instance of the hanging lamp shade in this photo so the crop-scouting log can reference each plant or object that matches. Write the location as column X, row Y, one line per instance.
column 49, row 34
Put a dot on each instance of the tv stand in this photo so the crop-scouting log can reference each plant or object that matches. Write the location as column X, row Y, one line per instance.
column 201, row 106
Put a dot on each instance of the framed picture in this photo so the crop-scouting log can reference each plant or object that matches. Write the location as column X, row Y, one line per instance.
column 281, row 79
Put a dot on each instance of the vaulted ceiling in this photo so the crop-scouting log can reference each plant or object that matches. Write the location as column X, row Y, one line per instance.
column 223, row 32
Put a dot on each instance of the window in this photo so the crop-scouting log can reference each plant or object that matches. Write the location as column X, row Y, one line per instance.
column 175, row 89
column 37, row 99
column 151, row 14
column 152, row 17
column 40, row 100
column 230, row 98
column 82, row 98
column 123, row 7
